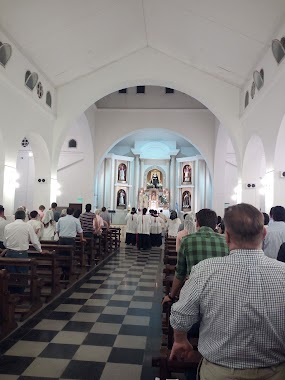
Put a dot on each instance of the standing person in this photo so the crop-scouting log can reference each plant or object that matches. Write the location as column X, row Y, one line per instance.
column 156, row 230
column 36, row 223
column 56, row 214
column 144, row 224
column 275, row 235
column 3, row 223
column 239, row 300
column 17, row 237
column 41, row 211
column 68, row 227
column 86, row 220
column 48, row 230
column 105, row 216
column 189, row 227
column 173, row 224
column 131, row 229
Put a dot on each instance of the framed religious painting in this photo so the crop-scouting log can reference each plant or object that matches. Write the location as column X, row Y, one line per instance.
column 187, row 174
column 122, row 172
column 121, row 199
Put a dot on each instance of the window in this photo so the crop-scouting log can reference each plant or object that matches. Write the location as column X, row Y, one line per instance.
column 252, row 91
column 278, row 50
column 169, row 90
column 246, row 99
column 140, row 89
column 40, row 90
column 5, row 53
column 31, row 80
column 48, row 99
column 258, row 80
column 123, row 91
column 25, row 142
column 72, row 143
column 262, row 74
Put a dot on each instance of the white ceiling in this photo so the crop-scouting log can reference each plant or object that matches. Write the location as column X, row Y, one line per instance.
column 71, row 38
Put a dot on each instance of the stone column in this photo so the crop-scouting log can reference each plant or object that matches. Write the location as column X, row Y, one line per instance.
column 141, row 173
column 136, row 180
column 107, row 183
column 112, row 183
column 167, row 183
column 172, row 182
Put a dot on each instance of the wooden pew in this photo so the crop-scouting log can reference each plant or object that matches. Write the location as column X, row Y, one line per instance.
column 28, row 301
column 7, row 306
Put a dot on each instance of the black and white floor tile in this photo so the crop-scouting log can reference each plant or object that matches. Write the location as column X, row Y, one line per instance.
column 106, row 328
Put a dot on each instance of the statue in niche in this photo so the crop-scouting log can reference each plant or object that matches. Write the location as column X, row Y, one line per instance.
column 145, row 200
column 155, row 180
column 186, row 200
column 121, row 198
column 122, row 171
column 187, row 173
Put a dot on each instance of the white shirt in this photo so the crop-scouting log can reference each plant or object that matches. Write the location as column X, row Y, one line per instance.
column 173, row 226
column 48, row 232
column 68, row 226
column 3, row 223
column 132, row 222
column 275, row 236
column 18, row 235
column 37, row 226
column 144, row 224
column 156, row 225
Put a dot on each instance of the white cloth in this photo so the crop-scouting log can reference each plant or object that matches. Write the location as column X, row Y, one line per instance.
column 48, row 232
column 173, row 226
column 156, row 225
column 132, row 223
column 68, row 227
column 144, row 223
column 37, row 226
column 275, row 236
column 18, row 235
column 3, row 223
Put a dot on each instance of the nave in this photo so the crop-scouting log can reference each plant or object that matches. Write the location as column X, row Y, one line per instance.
column 107, row 326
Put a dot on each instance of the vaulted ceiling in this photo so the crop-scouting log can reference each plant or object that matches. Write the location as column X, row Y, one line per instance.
column 71, row 38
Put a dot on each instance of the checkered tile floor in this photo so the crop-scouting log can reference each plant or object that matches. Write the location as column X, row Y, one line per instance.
column 108, row 328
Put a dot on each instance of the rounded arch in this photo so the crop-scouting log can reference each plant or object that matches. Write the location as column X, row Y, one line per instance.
column 41, row 154
column 148, row 67
column 153, row 167
column 256, row 189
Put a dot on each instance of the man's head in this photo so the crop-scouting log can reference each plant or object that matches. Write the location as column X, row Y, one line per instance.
column 1, row 210
column 144, row 210
column 266, row 218
column 103, row 209
column 271, row 212
column 88, row 207
column 33, row 214
column 69, row 211
column 20, row 214
column 206, row 218
column 54, row 205
column 278, row 214
column 244, row 227
column 42, row 207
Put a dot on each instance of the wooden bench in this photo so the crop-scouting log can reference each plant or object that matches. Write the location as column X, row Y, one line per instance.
column 7, row 306
column 29, row 285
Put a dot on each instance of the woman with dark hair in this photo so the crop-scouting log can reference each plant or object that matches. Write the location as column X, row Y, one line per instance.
column 131, row 230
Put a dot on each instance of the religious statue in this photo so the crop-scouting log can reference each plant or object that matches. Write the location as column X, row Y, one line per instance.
column 145, row 200
column 122, row 172
column 121, row 198
column 155, row 180
column 186, row 201
column 187, row 173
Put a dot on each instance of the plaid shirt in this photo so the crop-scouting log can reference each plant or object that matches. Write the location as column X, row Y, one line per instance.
column 240, row 301
column 199, row 246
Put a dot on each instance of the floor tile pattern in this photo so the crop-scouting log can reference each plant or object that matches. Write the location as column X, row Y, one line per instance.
column 106, row 328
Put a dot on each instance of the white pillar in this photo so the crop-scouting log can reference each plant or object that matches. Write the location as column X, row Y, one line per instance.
column 112, row 183
column 168, row 175
column 141, row 173
column 172, row 182
column 136, row 180
column 9, row 189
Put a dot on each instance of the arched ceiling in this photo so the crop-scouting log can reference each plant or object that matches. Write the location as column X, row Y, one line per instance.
column 69, row 39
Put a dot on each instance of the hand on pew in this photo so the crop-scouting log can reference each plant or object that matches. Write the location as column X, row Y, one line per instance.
column 181, row 350
column 166, row 299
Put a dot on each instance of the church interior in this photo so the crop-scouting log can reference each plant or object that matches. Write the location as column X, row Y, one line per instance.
column 135, row 103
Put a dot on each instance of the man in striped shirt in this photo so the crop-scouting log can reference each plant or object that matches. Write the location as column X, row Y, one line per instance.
column 86, row 220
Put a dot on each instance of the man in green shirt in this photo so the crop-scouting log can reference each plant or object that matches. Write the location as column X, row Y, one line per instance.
column 203, row 244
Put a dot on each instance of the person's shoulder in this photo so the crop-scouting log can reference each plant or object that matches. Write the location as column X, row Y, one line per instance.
column 210, row 263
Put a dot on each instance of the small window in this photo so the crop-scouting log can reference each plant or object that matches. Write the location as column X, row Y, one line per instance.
column 5, row 53
column 123, row 91
column 257, row 78
column 48, row 99
column 31, row 80
column 169, row 90
column 252, row 91
column 40, row 90
column 140, row 89
column 278, row 50
column 72, row 143
column 25, row 142
column 262, row 74
column 246, row 99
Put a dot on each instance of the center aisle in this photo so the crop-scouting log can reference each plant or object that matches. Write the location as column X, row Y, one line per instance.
column 107, row 329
